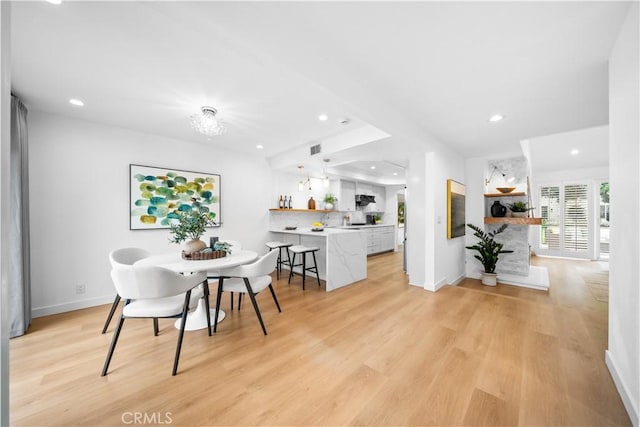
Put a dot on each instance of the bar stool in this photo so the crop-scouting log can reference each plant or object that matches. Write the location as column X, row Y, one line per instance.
column 304, row 250
column 280, row 261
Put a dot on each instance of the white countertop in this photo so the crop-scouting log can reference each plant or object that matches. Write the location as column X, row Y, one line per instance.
column 307, row 231
column 346, row 227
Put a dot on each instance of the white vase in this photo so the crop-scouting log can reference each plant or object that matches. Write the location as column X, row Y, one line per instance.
column 194, row 245
column 519, row 214
column 489, row 279
column 328, row 206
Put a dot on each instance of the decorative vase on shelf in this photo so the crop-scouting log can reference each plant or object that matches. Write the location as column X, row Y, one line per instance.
column 498, row 209
column 520, row 214
column 194, row 245
column 311, row 204
column 328, row 206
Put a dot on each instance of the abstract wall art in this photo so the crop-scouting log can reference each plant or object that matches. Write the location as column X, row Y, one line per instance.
column 158, row 195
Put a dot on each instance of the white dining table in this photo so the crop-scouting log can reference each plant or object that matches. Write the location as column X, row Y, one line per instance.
column 197, row 319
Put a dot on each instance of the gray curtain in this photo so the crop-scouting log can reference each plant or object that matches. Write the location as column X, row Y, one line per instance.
column 19, row 249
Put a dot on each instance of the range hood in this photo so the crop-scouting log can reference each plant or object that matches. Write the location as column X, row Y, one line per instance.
column 364, row 200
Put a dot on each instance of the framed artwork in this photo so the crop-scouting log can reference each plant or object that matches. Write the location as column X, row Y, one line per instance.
column 455, row 209
column 158, row 195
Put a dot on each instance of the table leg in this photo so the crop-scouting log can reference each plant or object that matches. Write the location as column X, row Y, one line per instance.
column 197, row 319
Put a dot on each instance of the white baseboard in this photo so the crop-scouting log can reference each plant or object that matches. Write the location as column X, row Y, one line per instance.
column 70, row 306
column 629, row 405
column 458, row 279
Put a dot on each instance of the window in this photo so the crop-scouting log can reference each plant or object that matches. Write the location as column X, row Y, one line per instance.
column 576, row 218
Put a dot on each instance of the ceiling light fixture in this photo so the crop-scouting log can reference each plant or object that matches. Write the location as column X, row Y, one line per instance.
column 76, row 102
column 259, row 146
column 207, row 123
column 303, row 183
column 575, row 151
column 54, row 1
column 323, row 117
column 496, row 118
column 372, row 167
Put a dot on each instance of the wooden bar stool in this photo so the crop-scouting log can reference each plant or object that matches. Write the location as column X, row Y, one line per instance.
column 280, row 261
column 304, row 250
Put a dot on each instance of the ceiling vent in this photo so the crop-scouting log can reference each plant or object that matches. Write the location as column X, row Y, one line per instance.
column 315, row 149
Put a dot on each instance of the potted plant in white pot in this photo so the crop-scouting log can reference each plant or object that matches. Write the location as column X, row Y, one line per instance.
column 329, row 201
column 488, row 252
column 519, row 209
column 190, row 226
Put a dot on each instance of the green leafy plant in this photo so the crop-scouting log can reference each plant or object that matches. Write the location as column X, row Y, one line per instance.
column 191, row 224
column 330, row 198
column 488, row 249
column 519, row 207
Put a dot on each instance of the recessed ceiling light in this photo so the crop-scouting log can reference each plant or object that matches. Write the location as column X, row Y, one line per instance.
column 259, row 146
column 575, row 151
column 373, row 167
column 323, row 117
column 76, row 102
column 395, row 173
column 496, row 118
column 54, row 1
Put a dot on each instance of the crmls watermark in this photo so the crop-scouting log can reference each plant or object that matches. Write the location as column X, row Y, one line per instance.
column 146, row 418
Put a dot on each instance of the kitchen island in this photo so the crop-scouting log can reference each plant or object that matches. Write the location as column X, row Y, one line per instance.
column 342, row 258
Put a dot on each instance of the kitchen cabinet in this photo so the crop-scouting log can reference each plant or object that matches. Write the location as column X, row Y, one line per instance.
column 364, row 188
column 347, row 196
column 379, row 193
column 380, row 238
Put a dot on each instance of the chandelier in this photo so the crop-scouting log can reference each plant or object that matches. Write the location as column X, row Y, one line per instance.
column 207, row 123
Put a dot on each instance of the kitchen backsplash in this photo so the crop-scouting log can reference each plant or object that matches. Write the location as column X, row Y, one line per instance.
column 280, row 220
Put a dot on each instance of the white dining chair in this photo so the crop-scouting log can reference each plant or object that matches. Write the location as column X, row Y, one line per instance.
column 123, row 258
column 248, row 279
column 235, row 246
column 155, row 292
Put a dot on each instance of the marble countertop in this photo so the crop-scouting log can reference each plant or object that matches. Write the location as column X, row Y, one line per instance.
column 346, row 227
column 307, row 231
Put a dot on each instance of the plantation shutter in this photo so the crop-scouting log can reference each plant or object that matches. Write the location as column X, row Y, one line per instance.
column 576, row 218
column 550, row 214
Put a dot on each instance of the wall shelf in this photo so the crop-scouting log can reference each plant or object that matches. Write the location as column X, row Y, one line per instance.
column 300, row 210
column 504, row 194
column 512, row 220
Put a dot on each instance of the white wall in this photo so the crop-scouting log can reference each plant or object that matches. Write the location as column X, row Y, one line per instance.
column 623, row 354
column 449, row 253
column 475, row 170
column 5, row 135
column 432, row 259
column 79, row 195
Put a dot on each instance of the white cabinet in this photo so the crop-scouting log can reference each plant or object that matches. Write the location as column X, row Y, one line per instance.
column 379, row 193
column 347, row 196
column 380, row 239
column 364, row 188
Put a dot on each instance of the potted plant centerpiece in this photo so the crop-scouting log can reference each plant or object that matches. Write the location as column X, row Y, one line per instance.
column 329, row 201
column 488, row 251
column 519, row 209
column 190, row 226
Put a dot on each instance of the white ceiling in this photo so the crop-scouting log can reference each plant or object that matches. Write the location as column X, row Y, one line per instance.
column 411, row 69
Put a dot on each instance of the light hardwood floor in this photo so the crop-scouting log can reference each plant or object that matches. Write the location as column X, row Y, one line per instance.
column 376, row 353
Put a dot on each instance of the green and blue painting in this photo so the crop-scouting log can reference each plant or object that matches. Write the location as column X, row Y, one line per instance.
column 159, row 195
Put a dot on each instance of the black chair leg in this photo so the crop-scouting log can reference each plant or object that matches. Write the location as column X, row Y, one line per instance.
column 291, row 271
column 112, row 347
column 185, row 310
column 273, row 294
column 304, row 268
column 116, row 301
column 231, row 301
column 218, row 299
column 255, row 304
column 316, row 267
column 239, row 301
column 156, row 329
column 205, row 290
